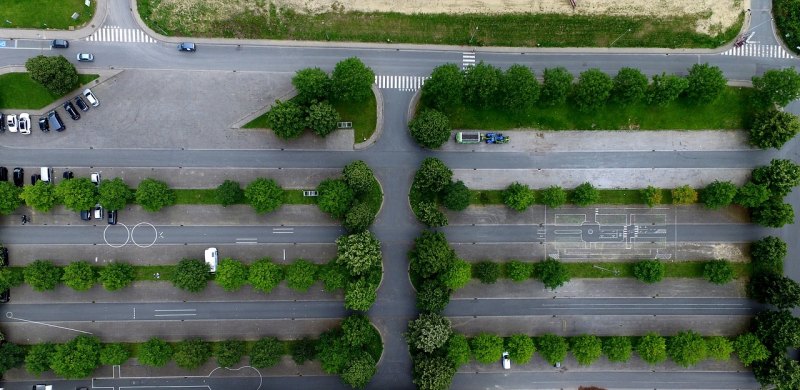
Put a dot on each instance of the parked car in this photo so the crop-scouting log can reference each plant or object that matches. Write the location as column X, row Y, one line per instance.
column 87, row 93
column 3, row 173
column 3, row 256
column 70, row 109
column 5, row 296
column 85, row 57
column 54, row 121
column 11, row 122
column 46, row 174
column 98, row 211
column 506, row 361
column 187, row 46
column 2, row 122
column 43, row 125
column 34, row 178
column 59, row 44
column 95, row 176
column 86, row 215
column 68, row 175
column 19, row 176
column 81, row 103
column 24, row 123
column 112, row 217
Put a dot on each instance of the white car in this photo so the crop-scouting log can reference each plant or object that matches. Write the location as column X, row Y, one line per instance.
column 24, row 123
column 95, row 177
column 87, row 93
column 11, row 122
column 85, row 57
column 506, row 361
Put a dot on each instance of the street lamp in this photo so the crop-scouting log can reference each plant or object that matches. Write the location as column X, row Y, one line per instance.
column 620, row 36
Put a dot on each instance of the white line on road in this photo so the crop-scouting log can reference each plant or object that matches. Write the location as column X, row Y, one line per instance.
column 175, row 310
column 9, row 315
column 174, row 315
column 282, row 230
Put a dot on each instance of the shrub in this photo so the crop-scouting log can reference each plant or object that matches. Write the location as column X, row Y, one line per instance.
column 432, row 297
column 719, row 348
column 77, row 194
column 773, row 128
column 518, row 196
column 652, row 348
column 552, row 348
column 192, row 353
column 592, row 89
column 718, row 271
column 665, row 89
column 39, row 357
column 518, row 271
column 303, row 350
column 311, row 84
column 617, row 348
column 264, row 195
column 486, row 271
column 153, row 195
column 684, row 195
column 652, row 196
column 42, row 275
column 445, row 86
column 649, row 271
column 265, row 275
column 428, row 332
column 486, row 348
column 687, row 348
column 231, row 274
column 56, row 73
column 322, row 118
column 458, row 349
column 520, row 348
column 286, row 119
column 301, row 274
column 585, row 194
column 229, row 193
column 358, row 176
column 191, row 275
column 430, row 128
column 79, row 276
column 767, row 255
column 114, row 354
column 719, row 194
column 335, row 197
column 229, row 352
column 155, row 352
column 457, row 275
column 456, row 196
column 432, row 176
column 76, row 358
column 351, row 80
column 266, row 352
column 752, row 195
column 555, row 87
column 554, row 196
column 586, row 349
column 629, row 86
column 705, row 83
column 552, row 273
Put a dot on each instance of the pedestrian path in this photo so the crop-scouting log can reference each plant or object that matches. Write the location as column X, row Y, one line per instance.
column 117, row 34
column 757, row 50
column 402, row 83
column 467, row 59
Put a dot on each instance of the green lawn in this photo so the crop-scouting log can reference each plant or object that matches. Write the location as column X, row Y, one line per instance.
column 625, row 196
column 20, row 92
column 52, row 14
column 730, row 111
column 548, row 30
column 208, row 196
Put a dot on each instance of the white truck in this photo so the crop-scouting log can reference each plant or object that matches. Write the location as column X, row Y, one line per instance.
column 212, row 258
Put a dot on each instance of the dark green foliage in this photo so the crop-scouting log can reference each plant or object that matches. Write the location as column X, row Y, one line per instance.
column 445, row 87
column 556, row 85
column 486, row 348
column 266, row 352
column 334, row 276
column 191, row 275
column 9, row 279
column 430, row 128
column 652, row 348
column 774, row 213
column 767, row 255
column 311, row 84
column 42, row 275
column 265, row 275
column 719, row 194
column 357, row 330
column 518, row 196
column 553, row 196
column 77, row 194
column 301, row 274
column 780, row 176
column 592, row 90
column 192, row 353
column 719, row 348
column 9, row 197
column 79, row 275
column 752, row 195
column 687, row 348
column 428, row 332
column 520, row 348
column 518, row 271
column 229, row 352
column 359, row 176
column 481, row 84
column 552, row 273
column 265, row 195
column 359, row 253
column 458, row 349
column 231, row 274
column 457, row 275
column 322, row 118
column 432, row 297
column 359, row 371
column 429, row 214
column 777, row 87
column 303, row 350
column 433, row 372
column 433, row 175
column 77, row 358
column 114, row 354
column 777, row 329
column 706, row 82
column 778, row 370
column 456, row 196
column 649, row 271
column 718, row 271
column 286, row 119
column 335, row 197
column 360, row 295
column 40, row 197
column 358, row 218
column 153, row 195
column 352, row 355
column 553, row 348
column 586, row 349
column 652, row 196
column 351, row 81
column 630, row 85
column 55, row 73
column 486, row 271
column 776, row 290
column 617, row 349
column 39, row 357
column 665, row 89
column 431, row 254
column 229, row 193
column 333, row 352
column 114, row 194
column 155, row 352
column 519, row 88
column 773, row 128
column 116, row 276
column 11, row 355
column 787, row 17
column 749, row 349
column 585, row 194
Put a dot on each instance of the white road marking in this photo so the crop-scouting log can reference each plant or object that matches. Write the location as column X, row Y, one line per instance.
column 467, row 59
column 117, row 34
column 282, row 230
column 758, row 50
column 402, row 83
column 11, row 316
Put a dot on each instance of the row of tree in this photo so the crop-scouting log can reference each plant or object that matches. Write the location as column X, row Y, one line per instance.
column 43, row 275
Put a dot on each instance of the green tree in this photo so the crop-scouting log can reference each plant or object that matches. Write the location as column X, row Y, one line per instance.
column 286, row 119
column 229, row 193
column 665, row 89
column 780, row 176
column 333, row 352
column 322, row 118
column 116, row 276
column 430, row 128
column 359, row 217
column 776, row 290
column 585, row 194
column 155, row 352
column 56, row 74
column 265, row 275
column 303, row 350
column 687, row 348
column 457, row 275
column 555, row 86
column 77, row 194
column 266, row 352
column 40, row 197
column 114, row 194
column 432, row 296
column 153, row 195
column 301, row 274
column 431, row 254
column 359, row 177
column 774, row 213
column 518, row 271
column 719, row 194
column 428, row 332
column 9, row 279
column 630, row 85
column 429, row 214
column 778, row 330
column 552, row 273
column 518, row 196
column 486, row 271
column 706, row 83
column 114, row 354
column 778, row 370
column 684, row 195
column 358, row 253
column 359, row 370
column 652, row 348
column 11, row 355
column 445, row 87
column 520, row 348
column 768, row 254
column 750, row 349
column 357, row 330
column 617, row 348
column 231, row 274
column 77, row 358
column 334, row 276
column 553, row 348
column 39, row 357
column 553, row 196
column 191, row 275
column 351, row 81
column 481, row 84
column 652, row 196
column 192, row 353
column 311, row 84
column 486, row 348
column 229, row 352
column 586, row 348
column 42, row 275
column 433, row 175
column 79, row 275
column 519, row 88
column 456, row 196
column 592, row 90
column 773, row 128
column 777, row 87
column 360, row 295
column 649, row 271
column 718, row 271
column 9, row 197
column 752, row 195
column 265, row 195
column 335, row 197
column 458, row 349
column 433, row 372
column 719, row 348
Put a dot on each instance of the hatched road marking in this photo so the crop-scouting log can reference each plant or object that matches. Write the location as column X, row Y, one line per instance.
column 117, row 34
column 758, row 50
column 402, row 83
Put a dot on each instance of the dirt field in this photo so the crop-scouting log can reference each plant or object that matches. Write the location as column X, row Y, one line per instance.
column 717, row 14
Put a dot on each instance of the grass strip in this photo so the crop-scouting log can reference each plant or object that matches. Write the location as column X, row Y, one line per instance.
column 20, row 92
column 208, row 196
column 41, row 14
column 619, row 196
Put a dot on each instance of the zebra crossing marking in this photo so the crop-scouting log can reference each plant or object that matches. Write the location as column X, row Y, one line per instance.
column 467, row 59
column 117, row 34
column 757, row 50
column 402, row 83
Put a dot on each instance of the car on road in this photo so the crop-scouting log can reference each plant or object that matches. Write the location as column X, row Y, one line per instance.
column 98, row 211
column 87, row 93
column 85, row 57
column 43, row 125
column 81, row 103
column 34, row 178
column 68, row 175
column 112, row 217
column 19, row 176
column 11, row 122
column 86, row 215
column 24, row 123
column 95, row 176
column 506, row 361
column 54, row 121
column 70, row 109
column 3, row 174
column 59, row 44
column 187, row 46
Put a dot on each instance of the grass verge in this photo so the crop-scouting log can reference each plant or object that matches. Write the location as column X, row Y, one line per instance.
column 45, row 14
column 20, row 92
column 208, row 196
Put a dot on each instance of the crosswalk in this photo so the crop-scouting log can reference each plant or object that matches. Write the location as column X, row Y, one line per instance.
column 757, row 50
column 403, row 83
column 117, row 34
column 467, row 59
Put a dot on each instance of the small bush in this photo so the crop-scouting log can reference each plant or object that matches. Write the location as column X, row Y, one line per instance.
column 652, row 196
column 553, row 196
column 518, row 196
column 301, row 275
column 718, row 271
column 229, row 193
column 649, row 271
column 684, row 195
column 585, row 194
column 518, row 271
column 486, row 271
column 191, row 275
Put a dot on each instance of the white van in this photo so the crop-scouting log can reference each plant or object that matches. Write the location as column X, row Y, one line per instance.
column 46, row 174
column 211, row 259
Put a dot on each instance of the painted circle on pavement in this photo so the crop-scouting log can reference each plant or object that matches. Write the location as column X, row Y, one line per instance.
column 127, row 235
column 155, row 235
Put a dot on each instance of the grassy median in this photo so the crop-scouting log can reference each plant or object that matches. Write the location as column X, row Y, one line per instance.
column 20, row 92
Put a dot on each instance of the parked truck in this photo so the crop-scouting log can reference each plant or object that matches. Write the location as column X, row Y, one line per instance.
column 475, row 137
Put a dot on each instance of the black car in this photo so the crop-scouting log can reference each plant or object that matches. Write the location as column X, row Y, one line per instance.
column 5, row 296
column 86, row 215
column 19, row 177
column 112, row 217
column 68, row 175
column 81, row 103
column 3, row 256
column 187, row 46
column 70, row 109
column 59, row 44
column 2, row 123
column 54, row 121
column 43, row 125
column 34, row 178
column 3, row 173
